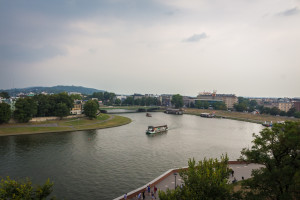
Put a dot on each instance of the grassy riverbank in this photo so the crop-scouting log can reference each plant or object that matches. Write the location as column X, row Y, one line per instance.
column 102, row 121
column 240, row 115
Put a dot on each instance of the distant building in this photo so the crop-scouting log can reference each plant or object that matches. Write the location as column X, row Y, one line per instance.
column 166, row 100
column 228, row 99
column 297, row 106
column 78, row 107
column 121, row 97
column 137, row 96
column 284, row 105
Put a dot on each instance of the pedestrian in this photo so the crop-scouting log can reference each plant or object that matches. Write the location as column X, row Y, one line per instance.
column 139, row 196
column 152, row 195
column 232, row 173
column 155, row 189
column 243, row 178
column 148, row 188
column 144, row 194
column 125, row 196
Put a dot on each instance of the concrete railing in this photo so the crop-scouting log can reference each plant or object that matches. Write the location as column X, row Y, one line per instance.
column 135, row 192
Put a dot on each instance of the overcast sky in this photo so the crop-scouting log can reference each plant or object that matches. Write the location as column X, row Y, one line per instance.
column 242, row 47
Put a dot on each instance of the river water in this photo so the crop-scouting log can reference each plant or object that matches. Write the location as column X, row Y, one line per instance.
column 104, row 164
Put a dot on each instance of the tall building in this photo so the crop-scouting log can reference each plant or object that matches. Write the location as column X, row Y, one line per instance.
column 228, row 99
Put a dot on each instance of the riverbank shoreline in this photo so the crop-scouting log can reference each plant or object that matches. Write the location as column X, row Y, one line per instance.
column 79, row 124
column 240, row 116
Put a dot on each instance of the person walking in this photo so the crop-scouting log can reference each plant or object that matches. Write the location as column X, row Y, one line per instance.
column 139, row 196
column 148, row 188
column 125, row 196
column 144, row 194
column 155, row 189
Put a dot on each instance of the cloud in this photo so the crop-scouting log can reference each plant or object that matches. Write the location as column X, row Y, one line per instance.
column 29, row 54
column 196, row 37
column 289, row 12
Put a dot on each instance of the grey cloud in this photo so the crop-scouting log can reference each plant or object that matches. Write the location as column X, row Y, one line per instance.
column 289, row 12
column 29, row 54
column 196, row 37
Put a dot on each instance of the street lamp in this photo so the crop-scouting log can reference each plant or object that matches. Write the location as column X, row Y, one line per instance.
column 175, row 178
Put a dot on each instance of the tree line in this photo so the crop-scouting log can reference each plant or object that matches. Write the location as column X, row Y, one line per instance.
column 245, row 104
column 37, row 106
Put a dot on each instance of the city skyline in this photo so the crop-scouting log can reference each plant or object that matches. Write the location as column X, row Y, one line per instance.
column 247, row 48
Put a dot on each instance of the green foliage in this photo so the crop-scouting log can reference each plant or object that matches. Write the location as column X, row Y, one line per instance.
column 53, row 105
column 177, row 101
column 202, row 104
column 5, row 113
column 75, row 97
column 4, row 95
column 240, row 107
column 23, row 190
column 297, row 114
column 90, row 109
column 129, row 101
column 291, row 112
column 274, row 111
column 118, row 102
column 245, row 104
column 278, row 149
column 61, row 110
column 26, row 108
column 205, row 105
column 206, row 180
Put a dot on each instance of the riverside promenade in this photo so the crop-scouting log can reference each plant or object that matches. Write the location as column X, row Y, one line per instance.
column 167, row 180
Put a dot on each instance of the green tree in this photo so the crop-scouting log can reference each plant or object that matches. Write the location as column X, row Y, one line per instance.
column 274, row 111
column 61, row 110
column 206, row 180
column 17, row 190
column 118, row 102
column 91, row 108
column 297, row 114
column 177, row 101
column 278, row 150
column 129, row 101
column 43, row 105
column 26, row 109
column 4, row 95
column 76, row 97
column 5, row 113
column 291, row 112
column 240, row 107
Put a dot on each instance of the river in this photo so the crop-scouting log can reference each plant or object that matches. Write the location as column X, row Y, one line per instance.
column 106, row 163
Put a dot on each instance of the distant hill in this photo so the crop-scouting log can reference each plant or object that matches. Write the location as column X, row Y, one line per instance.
column 54, row 89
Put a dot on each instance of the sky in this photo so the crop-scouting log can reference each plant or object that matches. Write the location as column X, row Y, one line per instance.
column 243, row 47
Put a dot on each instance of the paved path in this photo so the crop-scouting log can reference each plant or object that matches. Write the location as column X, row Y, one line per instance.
column 240, row 170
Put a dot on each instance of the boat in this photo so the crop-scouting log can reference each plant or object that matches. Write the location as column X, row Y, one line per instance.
column 207, row 115
column 156, row 129
column 267, row 124
column 148, row 115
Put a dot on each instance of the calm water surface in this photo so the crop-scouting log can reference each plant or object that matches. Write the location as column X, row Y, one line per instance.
column 104, row 164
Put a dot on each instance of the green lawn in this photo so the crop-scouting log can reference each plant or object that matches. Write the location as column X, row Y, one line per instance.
column 102, row 121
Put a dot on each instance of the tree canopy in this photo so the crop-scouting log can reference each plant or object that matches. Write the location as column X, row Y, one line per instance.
column 91, row 108
column 23, row 189
column 205, row 180
column 5, row 113
column 177, row 101
column 26, row 109
column 278, row 149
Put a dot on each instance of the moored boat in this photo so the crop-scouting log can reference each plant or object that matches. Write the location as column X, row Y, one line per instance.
column 268, row 124
column 207, row 115
column 148, row 115
column 156, row 129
